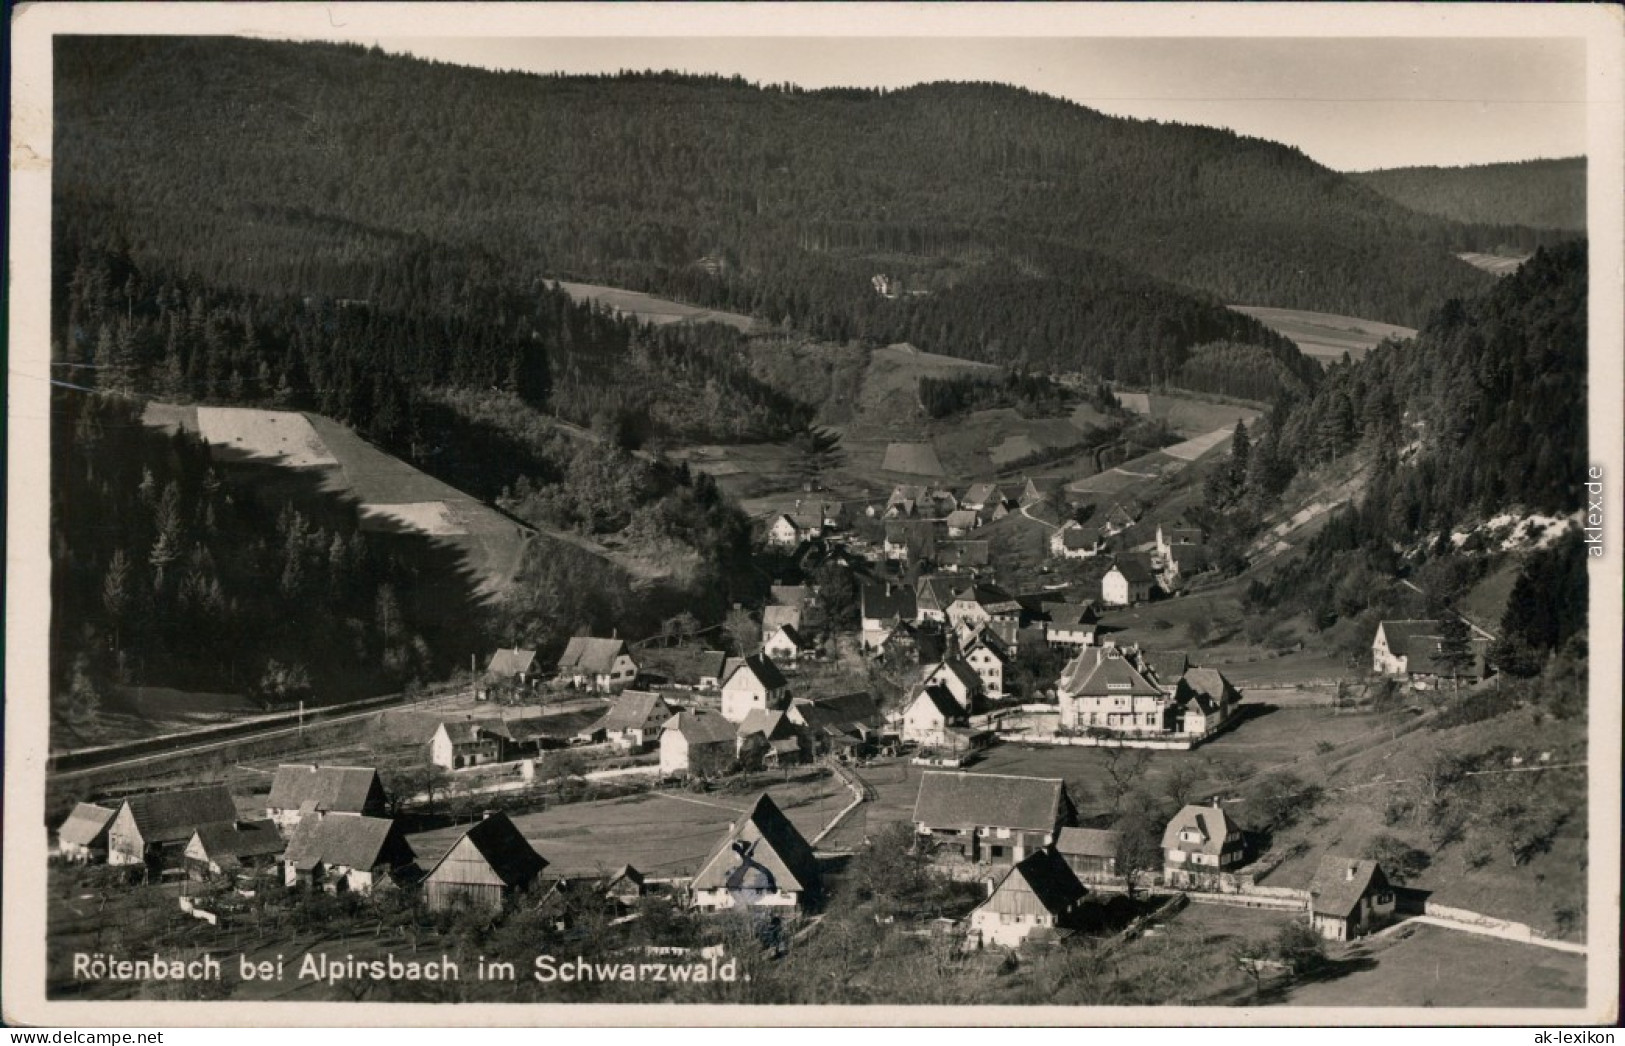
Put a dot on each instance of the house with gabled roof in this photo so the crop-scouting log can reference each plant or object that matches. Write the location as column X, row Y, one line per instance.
column 346, row 853
column 1130, row 580
column 300, row 790
column 959, row 678
column 511, row 665
column 753, row 682
column 787, row 530
column 1050, row 489
column 988, row 655
column 911, row 540
column 962, row 521
column 635, row 719
column 1118, row 519
column 775, row 617
column 1172, row 537
column 1183, row 562
column 1349, row 897
column 695, row 741
column 683, row 667
column 1075, row 541
column 990, row 818
column 980, row 602
column 844, row 724
column 981, row 496
column 933, row 595
column 787, row 645
column 1412, row 647
column 932, row 715
column 964, row 555
column 82, row 838
column 884, row 606
column 486, row 867
column 763, row 862
column 153, row 829
column 1037, row 898
column 1069, row 624
column 772, row 737
column 1108, row 688
column 230, row 848
column 1091, row 853
column 604, row 665
column 1200, row 844
column 458, row 743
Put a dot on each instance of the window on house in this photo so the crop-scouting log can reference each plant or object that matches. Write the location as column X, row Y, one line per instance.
column 997, row 851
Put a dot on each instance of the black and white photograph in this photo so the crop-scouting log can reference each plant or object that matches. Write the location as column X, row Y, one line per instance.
column 1016, row 514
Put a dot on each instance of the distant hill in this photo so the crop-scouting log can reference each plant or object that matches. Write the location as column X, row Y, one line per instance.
column 1541, row 194
column 279, row 163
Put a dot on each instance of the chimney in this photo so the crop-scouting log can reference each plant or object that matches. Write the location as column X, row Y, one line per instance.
column 1216, row 804
column 1348, row 876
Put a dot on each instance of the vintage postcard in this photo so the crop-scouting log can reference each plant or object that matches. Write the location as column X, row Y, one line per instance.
column 777, row 514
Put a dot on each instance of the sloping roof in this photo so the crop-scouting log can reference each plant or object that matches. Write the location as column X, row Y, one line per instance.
column 240, row 839
column 174, row 816
column 85, row 825
column 511, row 662
column 884, row 602
column 1075, row 536
column 793, row 635
column 1042, row 487
column 507, row 852
column 773, row 726
column 338, row 789
column 1418, row 643
column 1087, row 842
column 349, row 840
column 465, row 731
column 1134, row 568
column 591, row 655
column 1069, row 615
column 779, row 849
column 1211, row 822
column 1166, row 665
column 962, row 517
column 1191, row 559
column 958, row 669
column 775, row 616
column 789, row 595
column 699, row 727
column 1208, row 687
column 842, row 713
column 762, row 667
column 1045, row 511
column 942, row 698
column 636, row 710
column 956, row 799
column 1050, row 878
column 1105, row 672
column 1340, row 882
column 1177, row 535
column 982, row 494
column 682, row 664
column 968, row 553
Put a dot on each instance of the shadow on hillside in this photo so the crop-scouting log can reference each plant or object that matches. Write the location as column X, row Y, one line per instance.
column 1327, row 971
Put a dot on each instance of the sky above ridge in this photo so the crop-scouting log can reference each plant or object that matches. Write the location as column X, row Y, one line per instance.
column 1350, row 103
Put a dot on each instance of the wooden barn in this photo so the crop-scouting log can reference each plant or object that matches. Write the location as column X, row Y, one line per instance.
column 763, row 862
column 1037, row 897
column 346, row 853
column 153, row 829
column 232, row 848
column 490, row 864
column 82, row 838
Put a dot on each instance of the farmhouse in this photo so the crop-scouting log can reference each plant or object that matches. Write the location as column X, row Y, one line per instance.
column 775, row 617
column 910, row 541
column 1037, row 896
column 960, row 680
column 1075, row 541
column 697, row 742
column 153, row 829
column 976, row 604
column 991, row 818
column 511, row 666
column 455, row 745
column 1091, row 853
column 603, row 665
column 625, row 886
column 301, row 790
column 491, row 863
column 82, row 838
column 988, row 656
column 885, row 606
column 787, row 644
column 1069, row 625
column 1125, row 690
column 982, row 496
column 962, row 521
column 753, row 682
column 1182, row 563
column 932, row 596
column 932, row 715
column 682, row 667
column 635, row 719
column 787, row 531
column 763, row 862
column 346, row 853
column 1171, row 537
column 1412, row 648
column 955, row 556
column 1118, row 519
column 1199, row 844
column 1129, row 581
column 1048, row 488
column 232, row 847
column 1348, row 898
column 772, row 737
column 842, row 723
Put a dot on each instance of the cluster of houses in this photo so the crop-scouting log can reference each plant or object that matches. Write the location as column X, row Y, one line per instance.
column 1413, row 649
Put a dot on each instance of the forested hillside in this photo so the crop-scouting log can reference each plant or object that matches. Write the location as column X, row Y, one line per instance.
column 297, row 166
column 1541, row 194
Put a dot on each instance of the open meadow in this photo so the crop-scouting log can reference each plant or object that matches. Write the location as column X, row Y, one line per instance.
column 646, row 308
column 1323, row 335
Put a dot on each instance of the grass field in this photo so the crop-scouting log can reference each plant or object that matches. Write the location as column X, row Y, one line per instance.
column 662, row 834
column 1325, row 335
column 1431, row 966
column 660, row 311
column 1494, row 264
column 281, row 437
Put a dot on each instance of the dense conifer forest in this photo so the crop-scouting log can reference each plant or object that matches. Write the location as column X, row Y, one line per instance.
column 1540, row 194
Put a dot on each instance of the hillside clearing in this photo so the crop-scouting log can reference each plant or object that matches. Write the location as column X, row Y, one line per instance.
column 659, row 311
column 1325, row 335
column 1494, row 264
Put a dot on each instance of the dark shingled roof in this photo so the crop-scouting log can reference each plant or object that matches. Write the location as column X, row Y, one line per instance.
column 590, row 655
column 85, row 825
column 888, row 602
column 779, row 848
column 942, row 698
column 1214, row 825
column 1135, row 569
column 1069, row 615
column 1099, row 672
column 698, row 727
column 504, row 848
column 635, row 710
column 1418, row 643
column 1340, row 882
column 683, row 665
column 855, row 707
column 1051, row 880
column 955, row 799
column 1087, row 842
column 968, row 553
column 1166, row 665
column 334, row 789
column 349, row 840
column 239, row 839
column 774, row 726
column 1207, row 687
column 762, row 667
column 775, row 616
column 174, row 816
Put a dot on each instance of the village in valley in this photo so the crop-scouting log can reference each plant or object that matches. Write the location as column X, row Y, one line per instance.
column 1025, row 769
column 909, row 577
